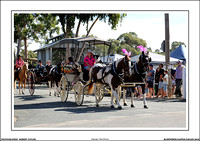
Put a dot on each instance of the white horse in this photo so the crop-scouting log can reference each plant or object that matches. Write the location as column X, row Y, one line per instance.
column 109, row 75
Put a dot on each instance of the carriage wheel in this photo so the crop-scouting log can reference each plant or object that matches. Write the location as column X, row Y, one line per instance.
column 79, row 93
column 64, row 91
column 31, row 83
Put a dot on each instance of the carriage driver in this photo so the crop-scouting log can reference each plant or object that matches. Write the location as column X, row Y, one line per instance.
column 89, row 60
column 39, row 69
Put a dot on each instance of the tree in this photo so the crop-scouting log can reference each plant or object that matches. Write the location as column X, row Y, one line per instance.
column 175, row 45
column 130, row 41
column 33, row 27
column 68, row 21
column 24, row 29
column 48, row 25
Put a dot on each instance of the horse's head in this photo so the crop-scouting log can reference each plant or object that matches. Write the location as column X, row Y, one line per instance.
column 143, row 62
column 25, row 66
column 124, row 65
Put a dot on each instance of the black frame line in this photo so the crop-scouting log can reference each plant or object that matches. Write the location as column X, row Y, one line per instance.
column 12, row 106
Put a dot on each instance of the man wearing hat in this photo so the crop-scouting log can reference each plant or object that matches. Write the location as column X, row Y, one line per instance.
column 150, row 80
column 178, row 77
column 89, row 60
column 39, row 69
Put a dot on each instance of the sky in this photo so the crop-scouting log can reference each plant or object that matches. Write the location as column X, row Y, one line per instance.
column 148, row 25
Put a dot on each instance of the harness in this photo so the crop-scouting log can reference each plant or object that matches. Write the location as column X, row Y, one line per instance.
column 135, row 71
column 112, row 71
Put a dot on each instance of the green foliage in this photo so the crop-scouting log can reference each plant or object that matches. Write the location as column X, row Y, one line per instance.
column 175, row 45
column 31, row 54
column 129, row 41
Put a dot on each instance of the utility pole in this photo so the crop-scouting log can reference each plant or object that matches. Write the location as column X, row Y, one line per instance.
column 167, row 53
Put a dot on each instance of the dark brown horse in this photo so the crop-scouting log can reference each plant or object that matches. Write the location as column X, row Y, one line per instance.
column 109, row 75
column 54, row 76
column 139, row 70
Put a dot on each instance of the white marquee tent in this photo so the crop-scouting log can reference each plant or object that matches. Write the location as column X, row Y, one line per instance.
column 111, row 58
column 156, row 58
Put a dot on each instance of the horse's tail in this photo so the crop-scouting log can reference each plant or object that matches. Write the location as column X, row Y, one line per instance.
column 90, row 87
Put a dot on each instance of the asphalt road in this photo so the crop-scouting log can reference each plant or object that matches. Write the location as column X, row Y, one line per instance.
column 43, row 111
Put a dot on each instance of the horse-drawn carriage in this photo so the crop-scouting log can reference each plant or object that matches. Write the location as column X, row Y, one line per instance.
column 35, row 76
column 74, row 79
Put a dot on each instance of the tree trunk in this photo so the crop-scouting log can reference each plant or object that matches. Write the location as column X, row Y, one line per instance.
column 76, row 47
column 68, row 50
column 25, row 47
column 19, row 46
column 83, row 47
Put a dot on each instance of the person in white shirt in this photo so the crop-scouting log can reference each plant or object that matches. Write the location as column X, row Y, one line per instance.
column 165, row 82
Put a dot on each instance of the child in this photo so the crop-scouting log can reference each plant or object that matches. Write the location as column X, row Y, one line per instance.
column 165, row 82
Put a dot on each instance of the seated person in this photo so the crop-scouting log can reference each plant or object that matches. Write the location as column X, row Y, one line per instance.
column 18, row 65
column 19, row 62
column 48, row 66
column 39, row 69
column 89, row 60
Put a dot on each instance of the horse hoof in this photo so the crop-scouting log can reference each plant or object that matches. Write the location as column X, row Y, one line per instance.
column 125, row 104
column 97, row 105
column 112, row 106
column 145, row 106
column 132, row 105
column 119, row 108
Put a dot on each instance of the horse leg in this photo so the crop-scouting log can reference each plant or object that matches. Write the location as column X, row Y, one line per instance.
column 144, row 101
column 19, row 87
column 111, row 102
column 49, row 88
column 144, row 96
column 132, row 99
column 24, row 86
column 57, row 91
column 54, row 87
column 114, row 92
column 124, row 97
column 95, row 93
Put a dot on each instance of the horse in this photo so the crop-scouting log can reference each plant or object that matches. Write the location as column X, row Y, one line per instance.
column 138, row 75
column 109, row 75
column 54, row 76
column 21, row 77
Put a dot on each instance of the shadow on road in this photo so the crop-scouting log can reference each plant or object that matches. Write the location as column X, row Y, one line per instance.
column 85, row 109
column 45, row 105
column 29, row 97
column 163, row 99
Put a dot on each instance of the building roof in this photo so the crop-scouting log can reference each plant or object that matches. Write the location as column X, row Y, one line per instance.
column 76, row 41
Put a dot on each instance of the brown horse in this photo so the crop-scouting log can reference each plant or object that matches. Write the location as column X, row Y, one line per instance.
column 138, row 75
column 21, row 77
column 109, row 75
